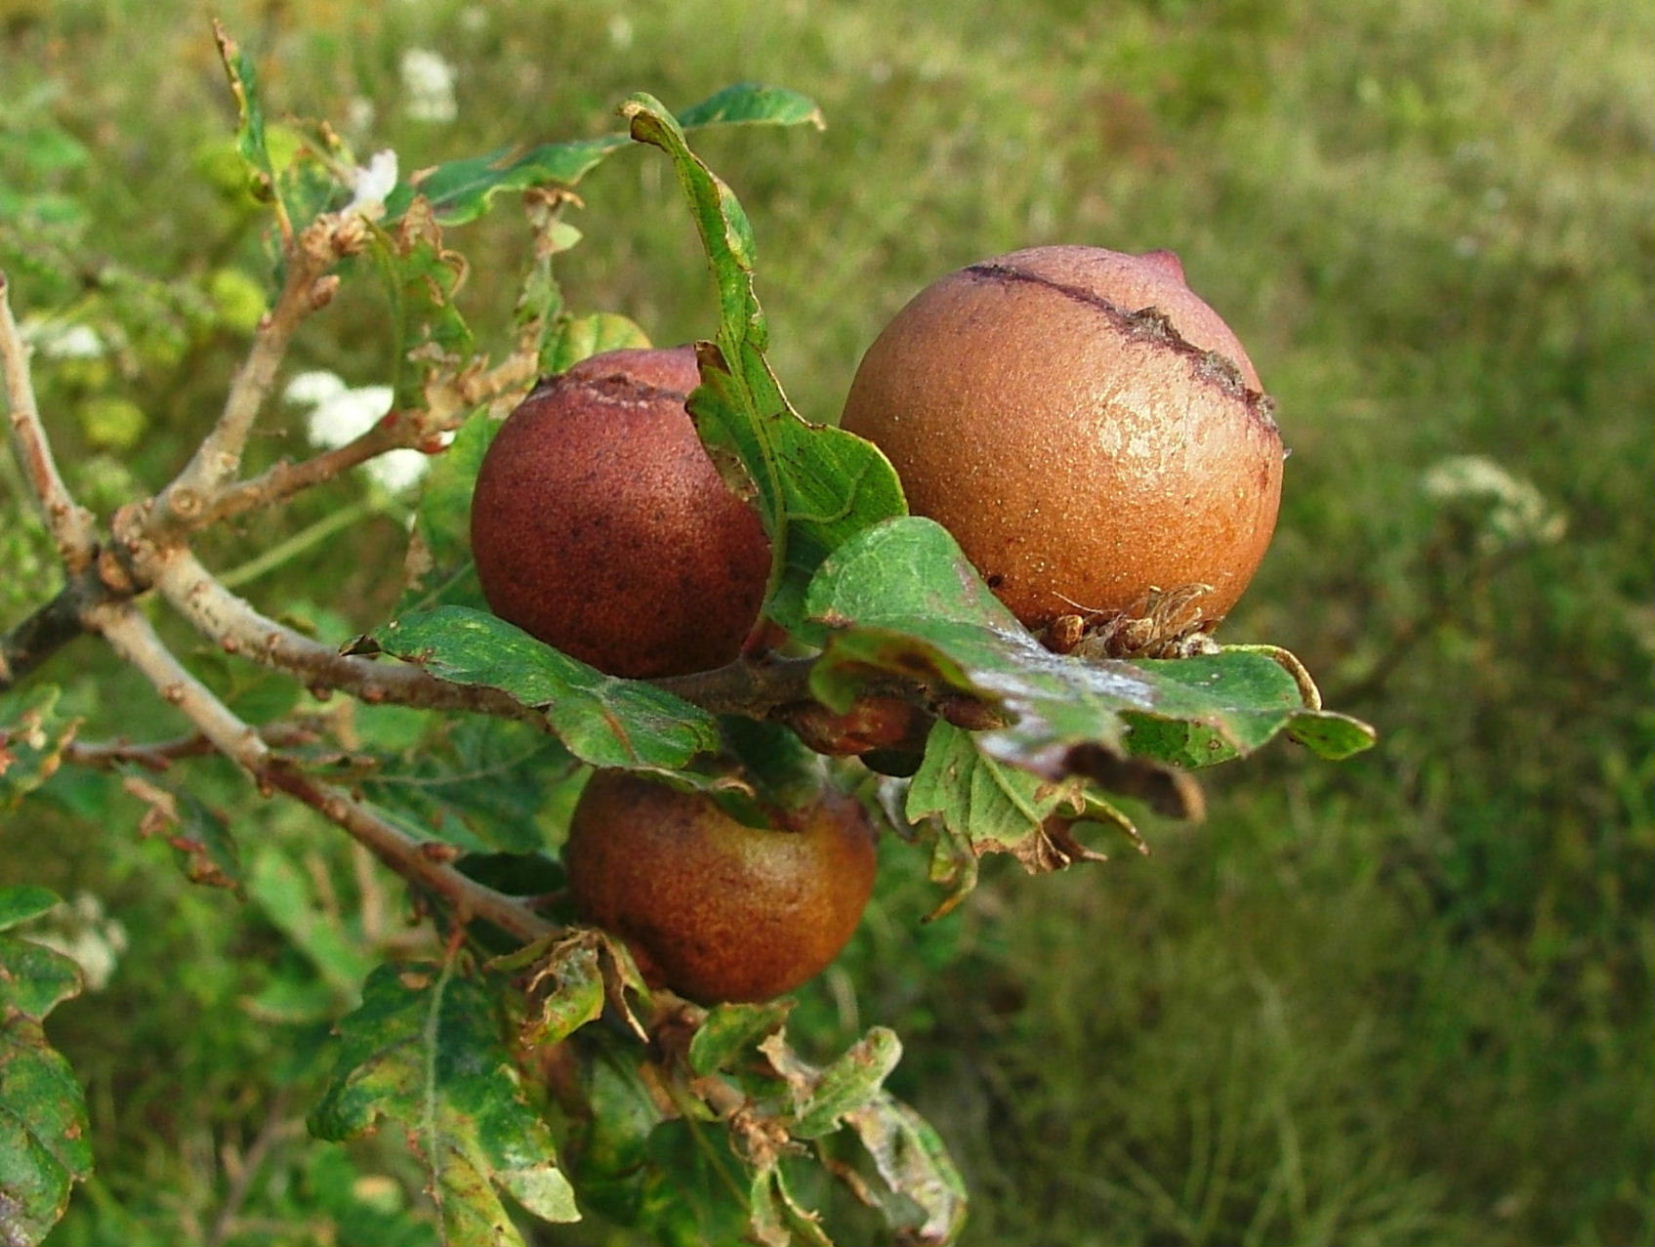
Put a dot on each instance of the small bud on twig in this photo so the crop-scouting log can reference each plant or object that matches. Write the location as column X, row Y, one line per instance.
column 323, row 290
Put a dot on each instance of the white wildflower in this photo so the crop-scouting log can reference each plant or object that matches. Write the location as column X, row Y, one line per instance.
column 82, row 932
column 346, row 415
column 57, row 341
column 428, row 85
column 620, row 31
column 309, row 389
column 359, row 115
column 339, row 414
column 397, row 471
column 1518, row 513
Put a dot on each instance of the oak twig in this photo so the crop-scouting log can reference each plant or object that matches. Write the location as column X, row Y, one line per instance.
column 746, row 686
column 187, row 502
column 151, row 551
column 397, row 430
column 71, row 525
column 126, row 629
column 422, row 865
column 135, row 640
column 235, row 625
column 159, row 755
column 41, row 635
column 281, row 481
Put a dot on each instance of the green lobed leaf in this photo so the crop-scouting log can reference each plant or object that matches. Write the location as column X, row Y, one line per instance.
column 460, row 191
column 34, row 979
column 653, row 1153
column 577, row 1000
column 902, row 599
column 924, row 1197
column 848, row 1083
column 575, row 975
column 821, row 1096
column 814, row 486
column 666, row 1179
column 602, row 719
column 624, row 1110
column 541, row 310
column 251, row 141
column 21, row 902
column 982, row 805
column 44, row 1127
column 731, row 1031
column 989, row 805
column 33, row 736
column 430, row 336
column 580, row 337
column 284, row 163
column 424, row 1052
column 749, row 103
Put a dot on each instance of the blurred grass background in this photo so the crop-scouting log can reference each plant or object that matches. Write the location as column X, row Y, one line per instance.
column 1406, row 999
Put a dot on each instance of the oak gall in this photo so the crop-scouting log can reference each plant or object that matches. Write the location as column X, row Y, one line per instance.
column 711, row 908
column 1087, row 427
column 601, row 526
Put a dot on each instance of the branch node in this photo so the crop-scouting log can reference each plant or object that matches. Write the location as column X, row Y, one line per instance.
column 114, row 574
column 187, row 503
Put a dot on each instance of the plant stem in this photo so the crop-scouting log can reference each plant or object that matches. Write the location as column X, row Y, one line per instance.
column 132, row 636
column 232, row 623
column 41, row 635
column 70, row 524
column 186, row 501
